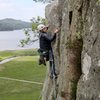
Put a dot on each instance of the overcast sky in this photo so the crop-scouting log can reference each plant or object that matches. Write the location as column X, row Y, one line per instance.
column 21, row 9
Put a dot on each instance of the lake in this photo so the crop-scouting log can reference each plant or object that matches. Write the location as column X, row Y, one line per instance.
column 9, row 40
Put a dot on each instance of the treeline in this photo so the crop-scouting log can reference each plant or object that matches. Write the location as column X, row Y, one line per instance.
column 9, row 24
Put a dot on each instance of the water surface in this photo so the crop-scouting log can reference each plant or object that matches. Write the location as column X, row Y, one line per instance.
column 9, row 40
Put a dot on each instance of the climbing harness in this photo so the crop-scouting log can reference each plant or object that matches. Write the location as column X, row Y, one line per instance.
column 48, row 56
column 44, row 56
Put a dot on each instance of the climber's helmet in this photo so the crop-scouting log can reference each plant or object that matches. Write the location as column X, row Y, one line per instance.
column 42, row 27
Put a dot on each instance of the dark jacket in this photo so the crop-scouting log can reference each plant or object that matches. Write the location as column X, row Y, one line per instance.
column 45, row 41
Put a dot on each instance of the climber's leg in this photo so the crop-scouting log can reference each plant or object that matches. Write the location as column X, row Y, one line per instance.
column 54, row 70
column 51, row 69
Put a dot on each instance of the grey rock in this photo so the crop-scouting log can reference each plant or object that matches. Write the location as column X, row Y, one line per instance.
column 76, row 50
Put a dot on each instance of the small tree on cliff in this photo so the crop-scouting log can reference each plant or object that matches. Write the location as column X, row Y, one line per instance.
column 30, row 38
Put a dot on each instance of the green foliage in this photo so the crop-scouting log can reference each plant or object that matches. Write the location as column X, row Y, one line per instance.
column 34, row 26
column 72, row 44
column 35, row 23
column 78, row 35
column 74, row 88
column 98, row 1
column 25, row 41
column 69, row 44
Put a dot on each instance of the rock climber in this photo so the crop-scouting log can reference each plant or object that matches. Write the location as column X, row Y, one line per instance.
column 46, row 52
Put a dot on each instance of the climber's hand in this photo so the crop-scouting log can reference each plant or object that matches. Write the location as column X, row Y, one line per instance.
column 48, row 25
column 56, row 30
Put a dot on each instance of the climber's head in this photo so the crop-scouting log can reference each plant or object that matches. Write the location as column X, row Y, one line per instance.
column 42, row 28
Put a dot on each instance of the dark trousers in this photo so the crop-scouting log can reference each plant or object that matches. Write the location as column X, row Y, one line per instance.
column 52, row 64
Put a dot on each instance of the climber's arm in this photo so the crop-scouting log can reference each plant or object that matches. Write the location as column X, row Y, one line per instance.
column 50, row 38
column 53, row 37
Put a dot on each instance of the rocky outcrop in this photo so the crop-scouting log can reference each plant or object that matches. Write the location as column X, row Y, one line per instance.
column 76, row 50
column 89, row 83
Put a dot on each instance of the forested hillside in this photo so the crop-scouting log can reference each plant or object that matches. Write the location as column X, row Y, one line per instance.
column 9, row 24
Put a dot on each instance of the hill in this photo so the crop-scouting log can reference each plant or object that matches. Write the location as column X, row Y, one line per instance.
column 9, row 24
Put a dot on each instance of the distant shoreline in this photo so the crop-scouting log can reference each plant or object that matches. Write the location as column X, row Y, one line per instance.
column 20, row 49
column 15, row 30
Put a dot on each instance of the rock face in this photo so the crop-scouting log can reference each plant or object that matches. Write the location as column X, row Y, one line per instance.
column 76, row 50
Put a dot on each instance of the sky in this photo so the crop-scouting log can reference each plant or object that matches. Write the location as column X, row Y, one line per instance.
column 21, row 9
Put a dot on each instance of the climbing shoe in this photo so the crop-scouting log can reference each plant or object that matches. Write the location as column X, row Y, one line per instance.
column 53, row 76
